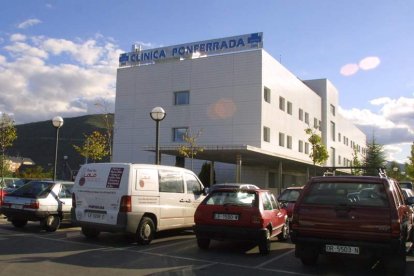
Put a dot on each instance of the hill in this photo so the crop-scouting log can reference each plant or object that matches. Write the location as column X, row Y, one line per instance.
column 37, row 141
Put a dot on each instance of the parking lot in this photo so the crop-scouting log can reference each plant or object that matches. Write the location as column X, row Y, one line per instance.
column 66, row 252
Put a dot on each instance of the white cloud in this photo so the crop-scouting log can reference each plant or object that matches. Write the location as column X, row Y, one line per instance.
column 28, row 23
column 17, row 37
column 44, row 77
column 392, row 126
column 369, row 63
column 349, row 69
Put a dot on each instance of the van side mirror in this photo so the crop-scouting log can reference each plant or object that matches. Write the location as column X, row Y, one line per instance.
column 206, row 190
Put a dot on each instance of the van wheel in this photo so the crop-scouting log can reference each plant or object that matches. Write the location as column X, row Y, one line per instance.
column 19, row 223
column 51, row 223
column 90, row 233
column 264, row 245
column 145, row 231
column 284, row 235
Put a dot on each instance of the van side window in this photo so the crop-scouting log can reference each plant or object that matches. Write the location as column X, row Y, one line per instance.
column 193, row 186
column 171, row 182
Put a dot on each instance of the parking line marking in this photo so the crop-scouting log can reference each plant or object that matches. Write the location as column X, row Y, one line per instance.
column 275, row 258
column 207, row 262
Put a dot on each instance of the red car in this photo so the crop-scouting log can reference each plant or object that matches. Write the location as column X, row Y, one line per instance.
column 240, row 214
column 288, row 198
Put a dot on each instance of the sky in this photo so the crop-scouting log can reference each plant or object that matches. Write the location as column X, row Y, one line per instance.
column 60, row 57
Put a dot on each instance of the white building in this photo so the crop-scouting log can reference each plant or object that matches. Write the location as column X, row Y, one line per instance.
column 252, row 112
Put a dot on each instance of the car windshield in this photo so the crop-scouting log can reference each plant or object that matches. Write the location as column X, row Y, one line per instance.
column 289, row 195
column 237, row 197
column 355, row 194
column 34, row 189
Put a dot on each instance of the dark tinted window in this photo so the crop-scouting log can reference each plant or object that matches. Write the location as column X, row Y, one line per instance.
column 289, row 195
column 355, row 194
column 34, row 189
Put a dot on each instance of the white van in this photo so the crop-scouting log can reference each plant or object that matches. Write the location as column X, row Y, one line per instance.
column 134, row 198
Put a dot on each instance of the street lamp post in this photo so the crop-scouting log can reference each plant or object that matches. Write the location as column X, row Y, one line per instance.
column 157, row 114
column 57, row 123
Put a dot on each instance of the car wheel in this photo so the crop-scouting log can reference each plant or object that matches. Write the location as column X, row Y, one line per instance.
column 264, row 245
column 145, row 231
column 307, row 254
column 51, row 223
column 203, row 243
column 90, row 233
column 284, row 235
column 19, row 223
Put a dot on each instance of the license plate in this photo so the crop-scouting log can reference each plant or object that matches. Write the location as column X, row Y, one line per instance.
column 16, row 206
column 95, row 216
column 342, row 249
column 226, row 216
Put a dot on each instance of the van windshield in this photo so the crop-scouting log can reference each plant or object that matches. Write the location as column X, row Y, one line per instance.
column 354, row 194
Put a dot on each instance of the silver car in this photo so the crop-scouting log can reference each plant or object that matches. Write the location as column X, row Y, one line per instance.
column 46, row 201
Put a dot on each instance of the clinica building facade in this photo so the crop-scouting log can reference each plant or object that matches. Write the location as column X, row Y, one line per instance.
column 248, row 112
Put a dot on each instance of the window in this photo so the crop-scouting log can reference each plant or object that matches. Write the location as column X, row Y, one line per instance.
column 315, row 123
column 171, row 182
column 289, row 142
column 267, row 95
column 289, row 108
column 339, row 137
column 282, row 103
column 178, row 134
column 281, row 139
column 181, row 97
column 332, row 109
column 193, row 186
column 307, row 118
column 267, row 204
column 333, row 131
column 300, row 146
column 266, row 134
column 301, row 114
column 339, row 159
column 306, row 148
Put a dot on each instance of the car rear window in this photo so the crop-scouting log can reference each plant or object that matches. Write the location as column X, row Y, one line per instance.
column 289, row 195
column 34, row 189
column 355, row 194
column 237, row 197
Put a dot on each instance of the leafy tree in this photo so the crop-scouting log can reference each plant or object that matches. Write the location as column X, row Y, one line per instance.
column 108, row 120
column 204, row 174
column 374, row 158
column 394, row 171
column 94, row 147
column 8, row 134
column 190, row 149
column 356, row 163
column 319, row 153
column 35, row 172
column 409, row 167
